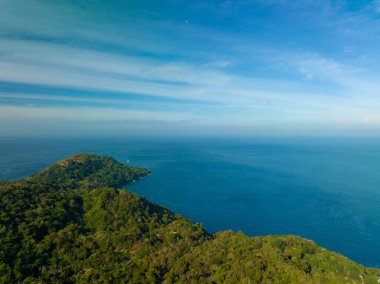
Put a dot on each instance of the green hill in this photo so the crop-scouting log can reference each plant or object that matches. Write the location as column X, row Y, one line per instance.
column 89, row 172
column 58, row 227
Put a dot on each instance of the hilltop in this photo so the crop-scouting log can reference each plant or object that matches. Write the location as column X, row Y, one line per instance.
column 69, row 224
column 88, row 171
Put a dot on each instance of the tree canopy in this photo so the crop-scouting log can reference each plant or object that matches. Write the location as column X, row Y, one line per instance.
column 88, row 172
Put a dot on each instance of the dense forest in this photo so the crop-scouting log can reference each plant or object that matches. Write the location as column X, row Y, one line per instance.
column 69, row 224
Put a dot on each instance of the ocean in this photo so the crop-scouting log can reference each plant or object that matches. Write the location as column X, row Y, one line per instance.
column 323, row 189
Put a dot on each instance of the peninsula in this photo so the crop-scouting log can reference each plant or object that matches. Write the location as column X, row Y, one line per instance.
column 72, row 223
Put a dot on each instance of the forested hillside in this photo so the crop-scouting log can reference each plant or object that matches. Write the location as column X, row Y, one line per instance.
column 67, row 225
column 88, row 172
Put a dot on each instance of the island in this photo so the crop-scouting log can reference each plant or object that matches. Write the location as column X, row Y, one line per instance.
column 75, row 223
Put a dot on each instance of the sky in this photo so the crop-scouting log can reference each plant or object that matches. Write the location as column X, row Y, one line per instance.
column 249, row 67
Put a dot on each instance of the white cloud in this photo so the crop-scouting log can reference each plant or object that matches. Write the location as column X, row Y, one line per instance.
column 66, row 56
column 60, row 65
column 66, row 66
column 66, row 52
column 316, row 67
column 87, row 114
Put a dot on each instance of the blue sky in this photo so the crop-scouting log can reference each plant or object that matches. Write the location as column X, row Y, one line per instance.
column 189, row 67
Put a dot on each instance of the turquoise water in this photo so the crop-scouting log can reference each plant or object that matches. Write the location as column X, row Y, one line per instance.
column 324, row 189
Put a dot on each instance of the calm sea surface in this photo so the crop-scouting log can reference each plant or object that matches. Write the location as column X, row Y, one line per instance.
column 324, row 189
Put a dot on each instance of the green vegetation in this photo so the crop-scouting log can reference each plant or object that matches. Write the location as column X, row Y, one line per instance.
column 88, row 172
column 53, row 229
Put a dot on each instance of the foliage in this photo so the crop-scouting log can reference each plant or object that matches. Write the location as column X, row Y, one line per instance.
column 104, row 235
column 235, row 258
column 89, row 172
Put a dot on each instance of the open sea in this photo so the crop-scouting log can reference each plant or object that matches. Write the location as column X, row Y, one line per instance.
column 324, row 189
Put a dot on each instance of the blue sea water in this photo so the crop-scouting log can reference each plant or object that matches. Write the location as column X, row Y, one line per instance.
column 324, row 189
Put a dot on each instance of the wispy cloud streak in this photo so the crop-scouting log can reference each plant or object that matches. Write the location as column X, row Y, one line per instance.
column 241, row 71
